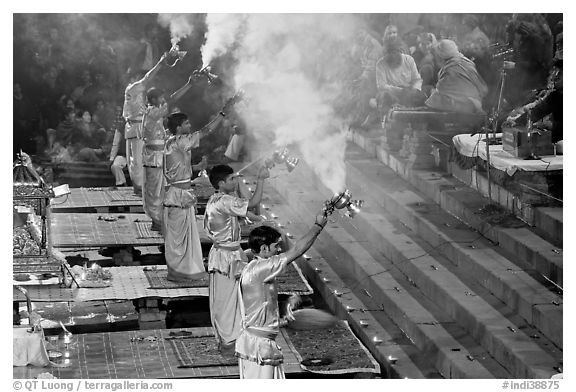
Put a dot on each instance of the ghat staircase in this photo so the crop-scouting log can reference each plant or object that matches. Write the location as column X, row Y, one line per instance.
column 434, row 283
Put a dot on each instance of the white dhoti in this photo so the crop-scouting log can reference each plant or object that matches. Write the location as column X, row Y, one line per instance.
column 117, row 170
column 224, row 311
column 153, row 193
column 183, row 250
column 249, row 369
column 134, row 148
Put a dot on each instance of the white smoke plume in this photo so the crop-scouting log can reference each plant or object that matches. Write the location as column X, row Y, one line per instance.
column 289, row 66
column 180, row 25
column 220, row 35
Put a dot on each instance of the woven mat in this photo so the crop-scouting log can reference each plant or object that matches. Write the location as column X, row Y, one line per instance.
column 331, row 351
column 144, row 354
column 143, row 229
column 84, row 198
column 200, row 351
column 292, row 281
column 127, row 283
column 158, row 280
column 123, row 196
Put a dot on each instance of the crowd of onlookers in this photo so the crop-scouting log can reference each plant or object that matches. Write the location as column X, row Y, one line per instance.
column 70, row 75
column 460, row 69
column 67, row 104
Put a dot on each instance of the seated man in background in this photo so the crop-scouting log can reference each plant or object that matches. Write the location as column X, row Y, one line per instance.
column 62, row 135
column 397, row 78
column 89, row 139
column 427, row 65
column 460, row 88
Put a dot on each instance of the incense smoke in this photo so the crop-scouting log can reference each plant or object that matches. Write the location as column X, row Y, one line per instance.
column 180, row 25
column 220, row 35
column 290, row 67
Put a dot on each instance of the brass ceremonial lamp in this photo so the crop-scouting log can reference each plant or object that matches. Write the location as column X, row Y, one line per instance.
column 278, row 157
column 206, row 72
column 343, row 200
column 176, row 53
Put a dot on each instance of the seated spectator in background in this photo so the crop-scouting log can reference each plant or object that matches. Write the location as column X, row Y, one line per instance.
column 26, row 119
column 427, row 66
column 99, row 89
column 391, row 34
column 64, row 131
column 104, row 114
column 475, row 45
column 369, row 51
column 410, row 38
column 78, row 93
column 531, row 39
column 473, row 42
column 460, row 88
column 88, row 139
column 366, row 51
column 397, row 78
column 66, row 102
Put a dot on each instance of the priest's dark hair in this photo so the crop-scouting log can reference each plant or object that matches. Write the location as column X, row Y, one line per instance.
column 262, row 235
column 174, row 121
column 219, row 173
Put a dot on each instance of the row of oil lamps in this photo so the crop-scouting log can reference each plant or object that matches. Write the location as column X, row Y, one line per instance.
column 342, row 200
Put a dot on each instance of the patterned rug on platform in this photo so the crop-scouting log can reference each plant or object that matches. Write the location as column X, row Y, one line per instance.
column 292, row 281
column 143, row 229
column 158, row 280
column 201, row 351
column 330, row 351
column 127, row 195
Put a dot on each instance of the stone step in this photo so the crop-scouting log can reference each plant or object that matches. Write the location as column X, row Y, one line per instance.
column 524, row 245
column 454, row 353
column 466, row 248
column 549, row 224
column 522, row 363
column 398, row 355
